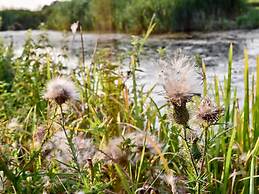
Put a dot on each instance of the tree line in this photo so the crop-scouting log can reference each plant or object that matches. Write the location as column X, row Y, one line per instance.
column 126, row 15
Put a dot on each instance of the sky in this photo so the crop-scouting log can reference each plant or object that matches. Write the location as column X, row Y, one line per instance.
column 25, row 4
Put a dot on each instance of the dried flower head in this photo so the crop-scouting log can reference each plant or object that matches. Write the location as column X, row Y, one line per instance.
column 14, row 125
column 181, row 82
column 146, row 189
column 61, row 90
column 176, row 183
column 119, row 149
column 58, row 149
column 113, row 152
column 74, row 27
column 181, row 79
column 170, row 179
column 38, row 135
column 208, row 111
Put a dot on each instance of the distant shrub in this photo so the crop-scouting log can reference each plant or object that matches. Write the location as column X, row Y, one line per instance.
column 6, row 66
column 249, row 20
column 127, row 15
column 20, row 19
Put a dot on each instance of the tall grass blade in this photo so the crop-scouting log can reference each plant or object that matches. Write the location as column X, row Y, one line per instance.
column 228, row 162
column 256, row 107
column 234, row 106
column 204, row 77
column 216, row 86
column 141, row 160
column 124, row 180
column 246, row 104
column 228, row 86
column 251, row 179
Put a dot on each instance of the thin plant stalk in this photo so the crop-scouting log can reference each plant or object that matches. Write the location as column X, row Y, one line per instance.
column 205, row 148
column 85, row 71
column 69, row 140
column 192, row 159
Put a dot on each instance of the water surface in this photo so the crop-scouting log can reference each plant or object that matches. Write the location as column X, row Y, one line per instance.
column 212, row 47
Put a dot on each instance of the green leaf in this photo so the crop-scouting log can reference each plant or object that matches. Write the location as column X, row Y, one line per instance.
column 124, row 179
column 228, row 82
column 226, row 172
column 246, row 104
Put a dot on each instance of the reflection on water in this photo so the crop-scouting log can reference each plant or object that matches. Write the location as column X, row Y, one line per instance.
column 212, row 47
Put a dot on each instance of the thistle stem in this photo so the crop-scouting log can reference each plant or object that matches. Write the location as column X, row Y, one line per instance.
column 192, row 159
column 205, row 147
column 189, row 151
column 69, row 140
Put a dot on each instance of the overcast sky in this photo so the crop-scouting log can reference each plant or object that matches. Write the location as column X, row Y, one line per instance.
column 25, row 4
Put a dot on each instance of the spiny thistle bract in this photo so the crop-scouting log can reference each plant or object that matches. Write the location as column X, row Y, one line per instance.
column 61, row 90
column 181, row 82
column 208, row 111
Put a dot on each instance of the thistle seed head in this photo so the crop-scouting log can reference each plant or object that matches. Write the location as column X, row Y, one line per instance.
column 14, row 125
column 120, row 149
column 209, row 112
column 181, row 80
column 57, row 148
column 61, row 90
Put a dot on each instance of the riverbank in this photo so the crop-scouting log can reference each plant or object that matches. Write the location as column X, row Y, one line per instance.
column 119, row 16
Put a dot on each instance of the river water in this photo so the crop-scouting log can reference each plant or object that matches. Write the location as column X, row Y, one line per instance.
column 212, row 47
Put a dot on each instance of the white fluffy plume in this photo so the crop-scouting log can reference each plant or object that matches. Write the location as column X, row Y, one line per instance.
column 180, row 77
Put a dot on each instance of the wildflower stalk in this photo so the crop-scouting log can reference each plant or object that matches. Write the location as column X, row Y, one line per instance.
column 192, row 159
column 84, row 71
column 191, row 156
column 82, row 44
column 69, row 140
column 138, row 47
column 205, row 147
column 134, row 83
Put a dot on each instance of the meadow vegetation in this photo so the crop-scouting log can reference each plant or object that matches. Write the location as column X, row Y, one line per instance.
column 94, row 129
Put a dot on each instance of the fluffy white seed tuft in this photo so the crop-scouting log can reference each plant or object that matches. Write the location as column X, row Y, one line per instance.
column 181, row 79
column 61, row 89
column 56, row 148
column 129, row 147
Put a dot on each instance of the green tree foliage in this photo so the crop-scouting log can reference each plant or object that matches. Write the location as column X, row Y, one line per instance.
column 127, row 15
column 20, row 19
column 6, row 65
